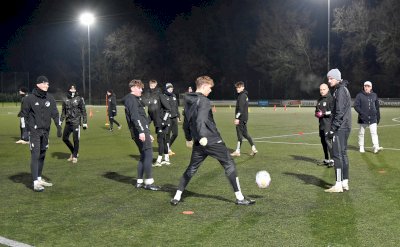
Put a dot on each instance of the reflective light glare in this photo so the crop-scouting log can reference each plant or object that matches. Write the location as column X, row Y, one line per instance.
column 87, row 18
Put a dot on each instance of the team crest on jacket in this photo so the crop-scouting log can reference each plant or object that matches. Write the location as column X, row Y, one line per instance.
column 173, row 98
column 47, row 104
column 324, row 104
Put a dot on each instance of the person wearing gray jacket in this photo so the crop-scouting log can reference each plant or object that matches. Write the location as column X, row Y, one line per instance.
column 340, row 130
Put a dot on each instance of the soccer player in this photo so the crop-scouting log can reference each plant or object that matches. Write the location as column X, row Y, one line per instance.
column 200, row 127
column 323, row 113
column 139, row 127
column 39, row 108
column 74, row 113
column 340, row 130
column 112, row 109
column 367, row 107
column 175, row 116
column 241, row 118
column 24, row 138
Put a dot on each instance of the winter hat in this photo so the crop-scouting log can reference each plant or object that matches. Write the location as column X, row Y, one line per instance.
column 169, row 85
column 41, row 79
column 23, row 89
column 368, row 83
column 335, row 74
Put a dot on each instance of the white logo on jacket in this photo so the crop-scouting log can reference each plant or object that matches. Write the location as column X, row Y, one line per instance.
column 47, row 104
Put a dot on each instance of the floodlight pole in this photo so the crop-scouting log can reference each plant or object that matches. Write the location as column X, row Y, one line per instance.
column 329, row 31
column 90, row 81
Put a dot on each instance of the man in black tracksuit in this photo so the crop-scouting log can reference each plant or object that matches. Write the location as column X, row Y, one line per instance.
column 74, row 113
column 139, row 127
column 241, row 119
column 159, row 110
column 39, row 108
column 200, row 127
column 24, row 138
column 175, row 116
column 112, row 109
column 340, row 130
column 323, row 112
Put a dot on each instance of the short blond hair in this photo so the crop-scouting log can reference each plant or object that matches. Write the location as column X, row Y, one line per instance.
column 202, row 80
column 136, row 83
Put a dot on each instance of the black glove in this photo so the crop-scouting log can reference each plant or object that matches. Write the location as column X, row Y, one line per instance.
column 330, row 134
column 59, row 132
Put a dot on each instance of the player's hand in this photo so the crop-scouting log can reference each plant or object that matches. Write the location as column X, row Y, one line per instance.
column 84, row 126
column 236, row 121
column 151, row 138
column 319, row 114
column 203, row 141
column 59, row 131
column 142, row 137
column 330, row 134
column 189, row 144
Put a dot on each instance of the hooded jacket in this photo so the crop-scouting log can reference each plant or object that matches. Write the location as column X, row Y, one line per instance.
column 73, row 109
column 367, row 107
column 199, row 120
column 39, row 108
column 112, row 105
column 341, row 113
column 174, row 103
column 242, row 107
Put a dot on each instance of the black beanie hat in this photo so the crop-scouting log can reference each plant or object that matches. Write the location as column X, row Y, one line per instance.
column 23, row 89
column 41, row 79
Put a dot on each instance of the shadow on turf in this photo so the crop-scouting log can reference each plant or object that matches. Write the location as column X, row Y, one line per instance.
column 169, row 188
column 24, row 178
column 302, row 158
column 310, row 179
column 60, row 155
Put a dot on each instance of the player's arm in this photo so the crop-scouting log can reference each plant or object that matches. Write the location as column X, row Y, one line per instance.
column 82, row 108
column 63, row 112
column 132, row 106
column 378, row 111
column 166, row 106
column 341, row 109
column 203, row 109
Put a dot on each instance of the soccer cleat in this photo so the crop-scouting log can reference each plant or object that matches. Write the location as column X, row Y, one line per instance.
column 38, row 188
column 74, row 160
column 335, row 189
column 24, row 142
column 70, row 158
column 139, row 185
column 151, row 187
column 253, row 152
column 174, row 202
column 165, row 163
column 377, row 149
column 245, row 202
column 44, row 183
column 170, row 153
column 362, row 150
column 110, row 129
column 235, row 154
column 345, row 187
column 157, row 164
column 119, row 127
column 331, row 163
column 19, row 141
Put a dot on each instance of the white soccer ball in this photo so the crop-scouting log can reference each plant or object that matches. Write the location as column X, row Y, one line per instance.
column 263, row 179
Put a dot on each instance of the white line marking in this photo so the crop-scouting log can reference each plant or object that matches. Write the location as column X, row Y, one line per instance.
column 9, row 242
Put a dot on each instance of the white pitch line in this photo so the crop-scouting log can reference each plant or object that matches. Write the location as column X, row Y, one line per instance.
column 12, row 243
column 292, row 143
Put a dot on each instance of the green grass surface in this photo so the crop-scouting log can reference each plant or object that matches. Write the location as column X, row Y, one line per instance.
column 94, row 202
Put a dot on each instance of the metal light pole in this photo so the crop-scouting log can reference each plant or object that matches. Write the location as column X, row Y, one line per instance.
column 329, row 31
column 88, row 19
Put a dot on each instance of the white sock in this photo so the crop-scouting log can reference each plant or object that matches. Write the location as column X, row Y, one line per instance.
column 169, row 148
column 239, row 195
column 178, row 195
column 238, row 147
column 149, row 181
column 338, row 184
column 139, row 181
column 39, row 178
column 253, row 147
column 159, row 158
column 345, row 182
column 166, row 157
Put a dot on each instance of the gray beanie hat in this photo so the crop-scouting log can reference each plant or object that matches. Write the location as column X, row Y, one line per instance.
column 335, row 74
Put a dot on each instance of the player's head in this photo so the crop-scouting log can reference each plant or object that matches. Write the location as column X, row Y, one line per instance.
column 169, row 87
column 323, row 89
column 136, row 87
column 110, row 92
column 204, row 85
column 367, row 87
column 334, row 77
column 42, row 83
column 239, row 86
column 152, row 84
column 72, row 88
column 23, row 90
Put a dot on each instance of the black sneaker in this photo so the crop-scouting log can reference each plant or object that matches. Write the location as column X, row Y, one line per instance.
column 139, row 185
column 174, row 202
column 245, row 202
column 151, row 187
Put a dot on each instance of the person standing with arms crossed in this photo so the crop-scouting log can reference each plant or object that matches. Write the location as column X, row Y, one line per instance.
column 74, row 113
column 241, row 119
column 138, row 125
column 200, row 127
column 366, row 105
column 323, row 112
column 340, row 130
column 39, row 108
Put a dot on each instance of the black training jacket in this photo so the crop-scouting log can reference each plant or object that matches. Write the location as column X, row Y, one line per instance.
column 367, row 107
column 174, row 103
column 242, row 107
column 73, row 110
column 341, row 113
column 199, row 121
column 39, row 108
column 325, row 105
column 112, row 105
column 135, row 115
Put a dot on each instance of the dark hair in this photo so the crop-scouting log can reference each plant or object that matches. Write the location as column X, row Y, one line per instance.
column 136, row 82
column 239, row 84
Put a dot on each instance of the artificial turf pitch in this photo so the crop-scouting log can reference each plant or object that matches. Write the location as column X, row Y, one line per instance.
column 94, row 202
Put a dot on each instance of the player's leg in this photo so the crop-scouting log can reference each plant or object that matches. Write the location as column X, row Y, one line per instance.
column 246, row 135
column 239, row 142
column 337, row 152
column 68, row 129
column 361, row 133
column 76, row 137
column 373, row 128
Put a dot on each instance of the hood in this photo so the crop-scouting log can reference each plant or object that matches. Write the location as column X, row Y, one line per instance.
column 191, row 98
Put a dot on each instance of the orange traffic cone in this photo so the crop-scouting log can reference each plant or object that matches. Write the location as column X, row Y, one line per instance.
column 90, row 113
column 274, row 107
column 285, row 108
